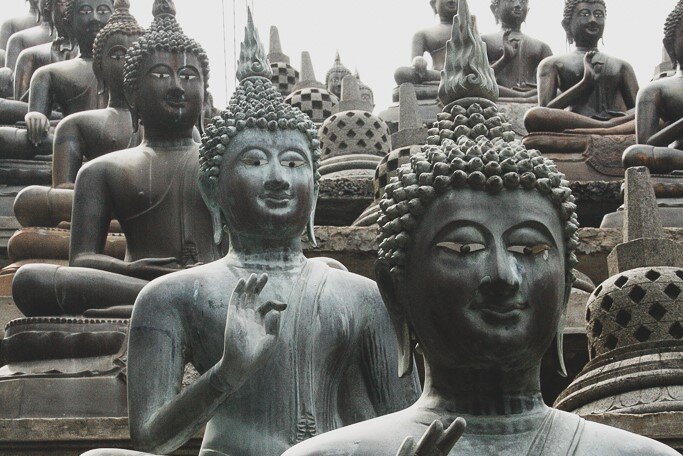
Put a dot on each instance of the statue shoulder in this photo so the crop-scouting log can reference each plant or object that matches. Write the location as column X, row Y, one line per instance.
column 357, row 289
column 597, row 438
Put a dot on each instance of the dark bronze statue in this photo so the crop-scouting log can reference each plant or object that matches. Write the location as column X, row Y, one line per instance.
column 659, row 110
column 61, row 48
column 89, row 134
column 71, row 85
column 433, row 41
column 270, row 377
column 477, row 241
column 598, row 91
column 150, row 189
column 514, row 56
column 24, row 39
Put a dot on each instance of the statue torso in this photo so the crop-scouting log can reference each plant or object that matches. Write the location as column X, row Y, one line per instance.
column 32, row 36
column 606, row 98
column 156, row 199
column 299, row 392
column 102, row 131
column 435, row 39
column 73, row 85
column 521, row 72
column 668, row 96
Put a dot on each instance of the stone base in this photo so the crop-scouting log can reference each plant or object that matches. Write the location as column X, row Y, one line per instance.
column 27, row 172
column 583, row 157
column 342, row 199
column 8, row 312
column 426, row 110
column 666, row 428
column 71, row 437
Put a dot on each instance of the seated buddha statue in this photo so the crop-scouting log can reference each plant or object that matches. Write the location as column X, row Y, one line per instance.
column 431, row 40
column 514, row 56
column 598, row 91
column 477, row 245
column 33, row 36
column 59, row 49
column 71, row 85
column 325, row 356
column 18, row 23
column 165, row 79
column 335, row 75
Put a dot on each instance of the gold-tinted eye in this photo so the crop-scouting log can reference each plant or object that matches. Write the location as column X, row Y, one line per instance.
column 461, row 248
column 161, row 75
column 529, row 250
column 293, row 162
column 253, row 161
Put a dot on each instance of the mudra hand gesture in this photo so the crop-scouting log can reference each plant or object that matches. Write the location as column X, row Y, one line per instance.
column 251, row 331
column 436, row 441
column 592, row 66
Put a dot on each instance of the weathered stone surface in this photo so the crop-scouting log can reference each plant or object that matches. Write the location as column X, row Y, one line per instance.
column 514, row 112
column 664, row 427
column 644, row 253
column 642, row 218
column 8, row 312
column 26, row 172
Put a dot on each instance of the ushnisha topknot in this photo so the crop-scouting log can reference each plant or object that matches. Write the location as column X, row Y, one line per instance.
column 121, row 22
column 256, row 103
column 163, row 35
column 569, row 7
column 673, row 21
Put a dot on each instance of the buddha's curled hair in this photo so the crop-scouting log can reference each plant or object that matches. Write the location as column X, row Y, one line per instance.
column 491, row 160
column 673, row 21
column 164, row 34
column 121, row 22
column 256, row 104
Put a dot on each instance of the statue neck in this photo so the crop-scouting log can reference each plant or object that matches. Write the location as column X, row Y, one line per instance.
column 263, row 254
column 161, row 141
column 85, row 47
column 116, row 98
column 483, row 392
column 446, row 19
column 585, row 49
column 511, row 27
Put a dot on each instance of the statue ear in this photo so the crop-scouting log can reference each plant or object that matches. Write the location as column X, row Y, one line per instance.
column 130, row 101
column 558, row 344
column 391, row 296
column 310, row 229
column 208, row 192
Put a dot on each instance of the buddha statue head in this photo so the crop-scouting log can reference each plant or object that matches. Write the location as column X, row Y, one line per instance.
column 53, row 11
column 477, row 240
column 673, row 34
column 335, row 76
column 510, row 12
column 259, row 159
column 85, row 19
column 366, row 93
column 584, row 21
column 112, row 43
column 166, row 77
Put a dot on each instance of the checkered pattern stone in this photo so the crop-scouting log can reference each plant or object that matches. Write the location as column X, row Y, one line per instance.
column 284, row 77
column 314, row 102
column 388, row 168
column 635, row 307
column 354, row 132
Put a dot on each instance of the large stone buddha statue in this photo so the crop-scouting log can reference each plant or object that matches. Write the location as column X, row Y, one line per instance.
column 270, row 377
column 475, row 266
column 160, row 210
column 24, row 39
column 596, row 91
column 70, row 85
column 514, row 55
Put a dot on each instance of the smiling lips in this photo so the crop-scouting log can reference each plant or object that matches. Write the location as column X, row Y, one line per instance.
column 502, row 308
column 277, row 199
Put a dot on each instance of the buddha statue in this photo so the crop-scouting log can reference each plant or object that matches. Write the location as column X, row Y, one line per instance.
column 598, row 91
column 659, row 132
column 477, row 241
column 59, row 49
column 24, row 39
column 18, row 23
column 514, row 56
column 165, row 78
column 87, row 135
column 71, row 85
column 335, row 75
column 310, row 95
column 433, row 41
column 272, row 374
column 366, row 93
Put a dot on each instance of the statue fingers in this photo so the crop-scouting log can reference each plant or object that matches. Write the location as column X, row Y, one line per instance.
column 271, row 312
column 249, row 295
column 452, row 435
column 239, row 290
column 260, row 283
column 429, row 440
column 408, row 447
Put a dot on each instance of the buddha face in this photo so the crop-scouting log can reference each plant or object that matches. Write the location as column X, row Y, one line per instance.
column 484, row 284
column 334, row 81
column 265, row 187
column 588, row 23
column 445, row 8
column 89, row 17
column 512, row 12
column 113, row 58
column 170, row 93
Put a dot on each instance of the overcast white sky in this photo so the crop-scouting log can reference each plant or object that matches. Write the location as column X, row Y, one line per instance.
column 374, row 36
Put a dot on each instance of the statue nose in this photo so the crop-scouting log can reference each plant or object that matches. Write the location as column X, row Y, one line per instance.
column 503, row 279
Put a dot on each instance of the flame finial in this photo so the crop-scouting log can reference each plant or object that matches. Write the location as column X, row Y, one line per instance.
column 467, row 73
column 253, row 61
column 163, row 8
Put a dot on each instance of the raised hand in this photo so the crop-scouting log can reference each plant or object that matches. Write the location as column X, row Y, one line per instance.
column 592, row 67
column 37, row 125
column 436, row 441
column 251, row 331
column 510, row 46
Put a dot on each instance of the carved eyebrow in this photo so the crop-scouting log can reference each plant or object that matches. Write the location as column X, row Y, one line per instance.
column 457, row 224
column 535, row 226
column 190, row 68
column 160, row 66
